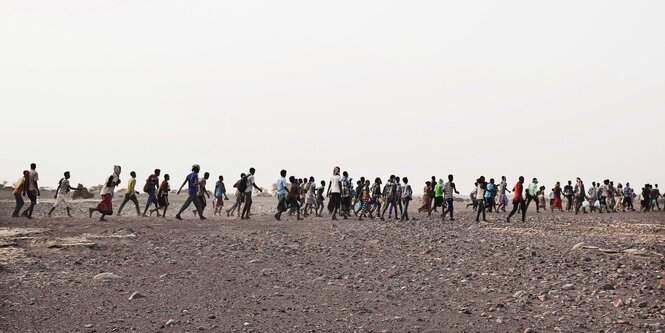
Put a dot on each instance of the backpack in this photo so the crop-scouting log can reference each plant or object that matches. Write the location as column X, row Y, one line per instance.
column 242, row 185
column 147, row 187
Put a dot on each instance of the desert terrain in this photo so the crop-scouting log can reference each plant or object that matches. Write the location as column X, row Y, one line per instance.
column 556, row 272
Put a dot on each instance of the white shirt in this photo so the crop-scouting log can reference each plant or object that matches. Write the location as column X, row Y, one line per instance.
column 334, row 184
column 34, row 177
column 250, row 183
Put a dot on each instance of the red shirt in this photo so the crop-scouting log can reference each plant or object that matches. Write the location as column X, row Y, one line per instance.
column 517, row 190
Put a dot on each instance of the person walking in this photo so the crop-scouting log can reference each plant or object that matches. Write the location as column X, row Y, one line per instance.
column 130, row 194
column 580, row 196
column 163, row 196
column 220, row 196
column 448, row 190
column 251, row 185
column 32, row 190
column 481, row 188
column 151, row 185
column 105, row 207
column 192, row 181
column 240, row 186
column 407, row 196
column 202, row 192
column 503, row 198
column 335, row 192
column 558, row 204
column 281, row 195
column 518, row 200
column 62, row 194
column 532, row 194
column 19, row 192
column 438, row 197
column 426, row 198
column 569, row 194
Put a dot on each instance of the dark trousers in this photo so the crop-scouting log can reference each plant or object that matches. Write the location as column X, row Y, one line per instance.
column 528, row 201
column 449, row 208
column 132, row 198
column 569, row 206
column 335, row 201
column 195, row 199
column 481, row 209
column 405, row 211
column 19, row 204
column 516, row 205
column 32, row 195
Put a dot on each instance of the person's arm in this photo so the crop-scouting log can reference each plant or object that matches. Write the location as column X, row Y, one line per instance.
column 37, row 187
column 181, row 186
column 329, row 185
column 57, row 189
column 256, row 187
column 206, row 193
column 455, row 189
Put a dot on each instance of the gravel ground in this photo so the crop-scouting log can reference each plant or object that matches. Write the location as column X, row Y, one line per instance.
column 556, row 272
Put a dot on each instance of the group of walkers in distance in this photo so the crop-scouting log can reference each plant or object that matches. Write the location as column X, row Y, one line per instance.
column 303, row 197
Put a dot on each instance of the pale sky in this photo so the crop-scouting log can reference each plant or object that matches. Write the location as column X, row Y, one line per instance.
column 547, row 89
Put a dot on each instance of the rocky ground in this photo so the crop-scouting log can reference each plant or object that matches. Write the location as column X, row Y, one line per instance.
column 556, row 272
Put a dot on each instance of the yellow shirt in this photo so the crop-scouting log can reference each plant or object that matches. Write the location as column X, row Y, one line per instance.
column 131, row 183
column 19, row 185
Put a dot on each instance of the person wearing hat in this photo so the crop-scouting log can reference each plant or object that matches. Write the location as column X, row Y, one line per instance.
column 531, row 194
column 192, row 181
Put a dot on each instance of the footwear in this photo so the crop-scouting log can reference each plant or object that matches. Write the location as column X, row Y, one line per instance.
column 277, row 217
column 202, row 217
column 90, row 210
column 177, row 217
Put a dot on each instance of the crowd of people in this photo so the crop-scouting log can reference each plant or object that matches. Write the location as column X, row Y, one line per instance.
column 305, row 197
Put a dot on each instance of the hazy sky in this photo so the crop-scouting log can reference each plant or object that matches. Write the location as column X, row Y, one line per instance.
column 552, row 89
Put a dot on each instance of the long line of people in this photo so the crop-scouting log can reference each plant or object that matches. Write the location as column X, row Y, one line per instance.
column 304, row 197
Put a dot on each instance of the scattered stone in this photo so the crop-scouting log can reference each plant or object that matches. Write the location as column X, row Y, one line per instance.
column 106, row 277
column 617, row 302
column 256, row 261
column 169, row 323
column 246, row 324
column 608, row 286
column 568, row 286
column 520, row 294
column 578, row 246
column 135, row 295
column 529, row 330
column 88, row 326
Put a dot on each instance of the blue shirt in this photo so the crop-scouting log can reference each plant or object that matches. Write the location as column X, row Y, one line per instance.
column 281, row 185
column 192, row 179
column 490, row 189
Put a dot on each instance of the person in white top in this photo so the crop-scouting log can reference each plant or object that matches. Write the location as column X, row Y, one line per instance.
column 335, row 192
column 33, row 190
column 62, row 194
column 248, row 194
column 105, row 207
